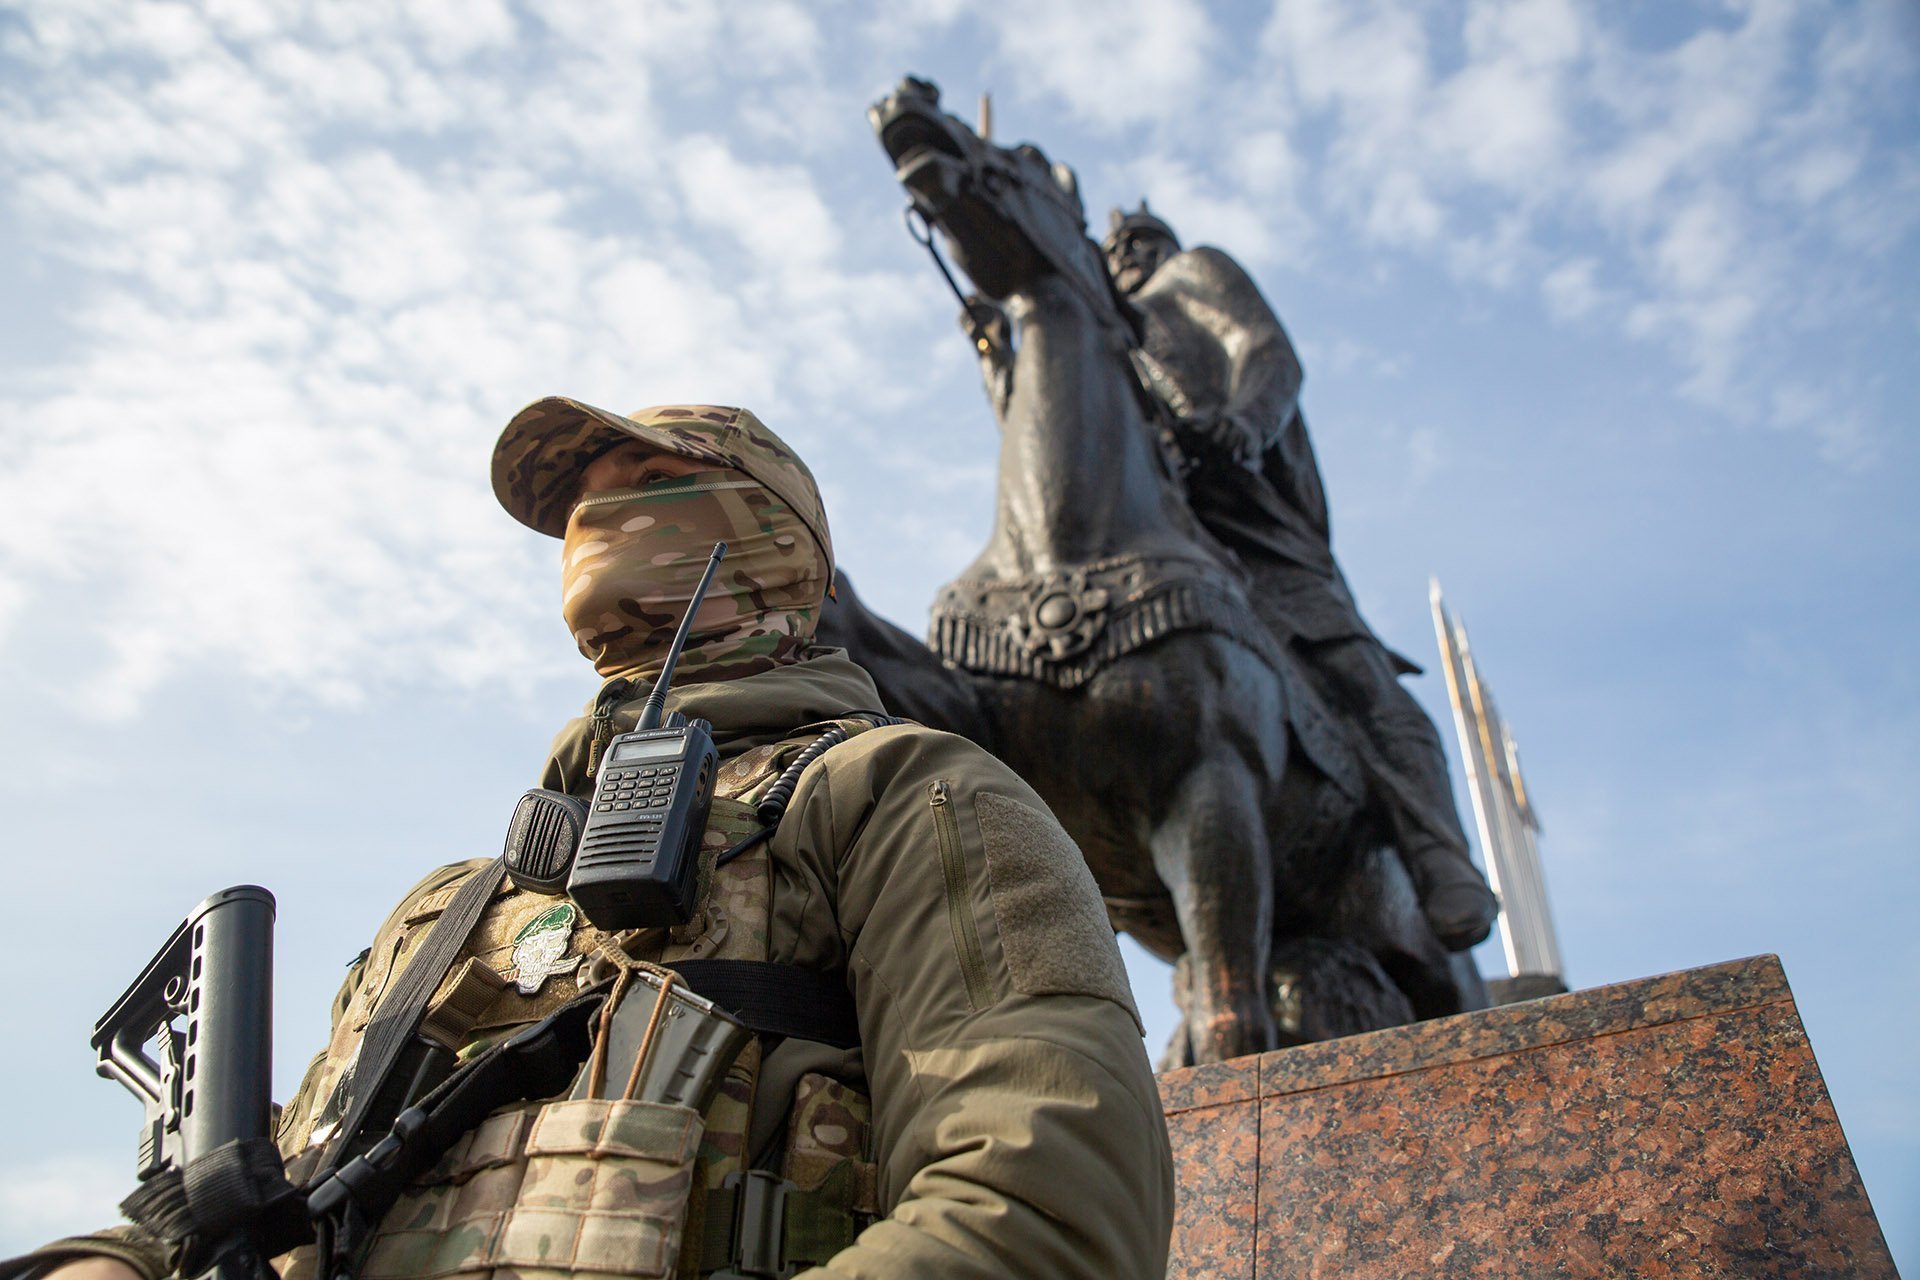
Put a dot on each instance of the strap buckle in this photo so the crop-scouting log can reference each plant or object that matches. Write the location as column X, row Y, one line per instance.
column 759, row 1226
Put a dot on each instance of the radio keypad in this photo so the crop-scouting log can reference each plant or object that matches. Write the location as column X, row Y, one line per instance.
column 623, row 790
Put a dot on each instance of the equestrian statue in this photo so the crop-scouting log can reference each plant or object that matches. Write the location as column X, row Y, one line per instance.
column 1157, row 637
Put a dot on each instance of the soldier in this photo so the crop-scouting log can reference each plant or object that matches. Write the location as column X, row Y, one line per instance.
column 996, row 1116
column 1216, row 358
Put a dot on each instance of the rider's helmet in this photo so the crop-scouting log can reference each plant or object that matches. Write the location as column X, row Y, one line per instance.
column 1121, row 224
column 1136, row 244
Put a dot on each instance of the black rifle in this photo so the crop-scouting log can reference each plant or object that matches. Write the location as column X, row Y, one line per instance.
column 210, row 1180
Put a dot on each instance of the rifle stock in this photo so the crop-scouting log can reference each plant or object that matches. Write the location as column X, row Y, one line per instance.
column 210, row 1085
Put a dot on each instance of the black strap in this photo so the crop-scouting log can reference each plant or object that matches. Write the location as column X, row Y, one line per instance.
column 233, row 1203
column 777, row 999
column 394, row 1026
column 538, row 1061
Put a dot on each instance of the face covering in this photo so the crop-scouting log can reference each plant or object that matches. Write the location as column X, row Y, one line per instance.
column 632, row 558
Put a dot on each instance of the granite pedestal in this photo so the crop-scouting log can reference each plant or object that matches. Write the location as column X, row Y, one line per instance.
column 1672, row 1127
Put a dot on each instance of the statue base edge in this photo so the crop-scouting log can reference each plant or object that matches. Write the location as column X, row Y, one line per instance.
column 1675, row 1125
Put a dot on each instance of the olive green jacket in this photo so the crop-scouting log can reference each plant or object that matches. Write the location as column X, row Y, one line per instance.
column 1017, row 1128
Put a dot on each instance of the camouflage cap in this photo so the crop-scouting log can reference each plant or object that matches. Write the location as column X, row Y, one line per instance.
column 538, row 461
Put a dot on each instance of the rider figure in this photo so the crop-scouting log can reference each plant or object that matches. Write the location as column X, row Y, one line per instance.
column 1214, row 355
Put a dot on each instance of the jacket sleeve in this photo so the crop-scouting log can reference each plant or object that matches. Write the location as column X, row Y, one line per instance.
column 145, row 1253
column 1018, row 1129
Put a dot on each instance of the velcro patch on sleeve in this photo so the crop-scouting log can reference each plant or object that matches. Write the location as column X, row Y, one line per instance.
column 1053, row 929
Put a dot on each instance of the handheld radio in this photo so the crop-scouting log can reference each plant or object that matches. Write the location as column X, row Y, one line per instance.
column 638, row 863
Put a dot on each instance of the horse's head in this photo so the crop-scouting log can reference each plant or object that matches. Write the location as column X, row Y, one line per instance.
column 1008, row 213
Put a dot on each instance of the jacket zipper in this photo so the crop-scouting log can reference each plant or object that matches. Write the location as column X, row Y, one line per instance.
column 966, row 939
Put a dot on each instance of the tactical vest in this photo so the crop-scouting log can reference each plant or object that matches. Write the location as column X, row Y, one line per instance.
column 603, row 1186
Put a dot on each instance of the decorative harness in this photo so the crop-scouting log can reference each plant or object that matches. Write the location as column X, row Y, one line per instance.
column 1063, row 628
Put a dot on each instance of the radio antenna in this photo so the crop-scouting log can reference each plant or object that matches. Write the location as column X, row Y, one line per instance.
column 655, row 709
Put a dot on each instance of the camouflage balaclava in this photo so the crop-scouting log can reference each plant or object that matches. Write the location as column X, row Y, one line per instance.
column 632, row 557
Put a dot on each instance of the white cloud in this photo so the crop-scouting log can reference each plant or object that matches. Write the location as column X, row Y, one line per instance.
column 302, row 331
column 1822, row 170
column 325, row 254
column 1341, row 357
column 452, row 30
column 777, row 35
column 1705, row 330
column 1570, row 290
column 1481, row 133
column 1533, row 33
column 1403, row 212
column 701, row 45
column 1688, row 115
column 772, row 210
column 1367, row 62
column 1114, row 62
column 240, row 19
column 1267, row 162
column 1697, row 243
column 332, row 83
column 1844, row 438
column 1498, row 254
column 13, row 598
column 892, row 27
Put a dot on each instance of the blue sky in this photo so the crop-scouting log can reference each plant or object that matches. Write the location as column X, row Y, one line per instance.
column 1606, row 311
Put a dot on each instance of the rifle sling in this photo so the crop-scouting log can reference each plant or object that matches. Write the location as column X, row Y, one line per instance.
column 536, row 1062
column 393, row 1028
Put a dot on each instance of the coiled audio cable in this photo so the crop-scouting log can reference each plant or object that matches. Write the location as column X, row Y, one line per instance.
column 773, row 805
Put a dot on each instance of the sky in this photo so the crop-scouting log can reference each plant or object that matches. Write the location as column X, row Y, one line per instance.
column 1607, row 313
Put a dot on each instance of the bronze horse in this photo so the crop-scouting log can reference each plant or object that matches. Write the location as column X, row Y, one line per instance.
column 1104, row 646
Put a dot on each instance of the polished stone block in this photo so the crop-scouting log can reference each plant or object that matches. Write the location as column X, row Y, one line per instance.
column 1672, row 1127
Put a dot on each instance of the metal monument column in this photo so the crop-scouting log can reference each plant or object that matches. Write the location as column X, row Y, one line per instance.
column 1505, row 817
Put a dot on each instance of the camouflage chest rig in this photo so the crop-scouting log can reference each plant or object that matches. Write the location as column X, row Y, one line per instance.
column 603, row 1185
